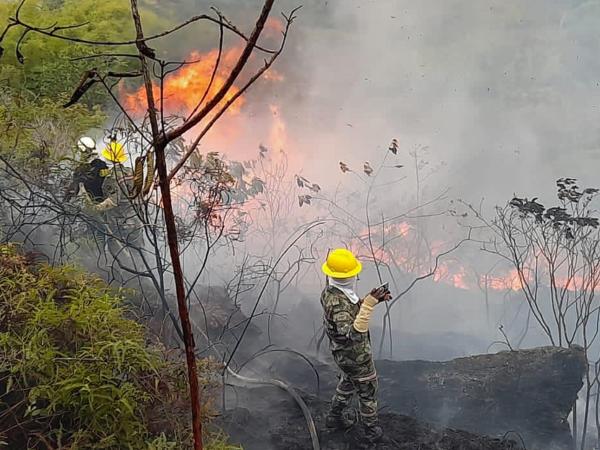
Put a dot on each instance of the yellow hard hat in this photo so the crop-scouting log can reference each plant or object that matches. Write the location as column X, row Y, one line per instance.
column 341, row 263
column 114, row 152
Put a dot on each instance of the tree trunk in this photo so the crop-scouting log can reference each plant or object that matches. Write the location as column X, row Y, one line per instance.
column 159, row 143
column 188, row 337
column 575, row 425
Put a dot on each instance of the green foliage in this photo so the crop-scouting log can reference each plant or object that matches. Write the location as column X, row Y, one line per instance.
column 50, row 68
column 66, row 347
column 218, row 441
column 39, row 131
column 75, row 371
column 35, row 127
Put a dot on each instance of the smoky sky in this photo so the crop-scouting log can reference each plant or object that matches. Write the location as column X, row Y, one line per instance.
column 504, row 93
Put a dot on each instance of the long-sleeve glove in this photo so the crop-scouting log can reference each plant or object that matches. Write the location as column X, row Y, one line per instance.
column 105, row 205
column 91, row 207
column 361, row 322
column 88, row 204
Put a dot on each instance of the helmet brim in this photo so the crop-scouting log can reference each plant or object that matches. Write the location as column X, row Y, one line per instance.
column 114, row 157
column 330, row 273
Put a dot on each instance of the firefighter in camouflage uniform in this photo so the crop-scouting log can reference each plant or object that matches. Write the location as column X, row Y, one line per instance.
column 346, row 320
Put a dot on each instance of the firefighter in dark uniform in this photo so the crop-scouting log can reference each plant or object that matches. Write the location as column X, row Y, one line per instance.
column 89, row 173
column 105, row 195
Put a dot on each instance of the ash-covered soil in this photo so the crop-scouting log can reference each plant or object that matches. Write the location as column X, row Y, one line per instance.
column 275, row 422
column 529, row 392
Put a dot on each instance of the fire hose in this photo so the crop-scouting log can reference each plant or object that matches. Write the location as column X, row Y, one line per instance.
column 277, row 383
column 290, row 390
column 312, row 429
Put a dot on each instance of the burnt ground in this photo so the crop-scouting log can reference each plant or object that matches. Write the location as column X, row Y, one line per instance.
column 275, row 422
column 529, row 392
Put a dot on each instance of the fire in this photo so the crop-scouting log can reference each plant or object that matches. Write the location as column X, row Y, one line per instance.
column 453, row 274
column 278, row 135
column 511, row 282
column 402, row 251
column 185, row 88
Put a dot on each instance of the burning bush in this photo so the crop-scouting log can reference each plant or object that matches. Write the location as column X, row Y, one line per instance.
column 76, row 372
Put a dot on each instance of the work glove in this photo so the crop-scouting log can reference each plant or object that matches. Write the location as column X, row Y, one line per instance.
column 381, row 294
column 361, row 322
column 88, row 204
column 106, row 205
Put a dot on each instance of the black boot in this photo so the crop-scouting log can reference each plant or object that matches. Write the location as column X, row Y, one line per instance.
column 373, row 433
column 341, row 421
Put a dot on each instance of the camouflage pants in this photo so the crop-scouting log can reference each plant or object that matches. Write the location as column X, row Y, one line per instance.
column 116, row 231
column 366, row 389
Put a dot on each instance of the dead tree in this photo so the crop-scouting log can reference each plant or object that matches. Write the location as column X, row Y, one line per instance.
column 392, row 240
column 555, row 252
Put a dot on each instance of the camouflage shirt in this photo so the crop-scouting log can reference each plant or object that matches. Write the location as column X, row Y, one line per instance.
column 351, row 350
column 117, row 185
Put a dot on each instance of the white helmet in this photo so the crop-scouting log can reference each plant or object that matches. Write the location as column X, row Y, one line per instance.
column 86, row 144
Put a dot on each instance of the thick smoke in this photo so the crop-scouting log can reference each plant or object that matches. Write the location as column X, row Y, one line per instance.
column 499, row 97
column 501, row 93
column 504, row 93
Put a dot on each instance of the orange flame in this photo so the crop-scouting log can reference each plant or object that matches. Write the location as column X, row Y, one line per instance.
column 402, row 252
column 511, row 282
column 278, row 136
column 185, row 88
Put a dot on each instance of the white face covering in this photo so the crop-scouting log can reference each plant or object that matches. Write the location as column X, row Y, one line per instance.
column 346, row 285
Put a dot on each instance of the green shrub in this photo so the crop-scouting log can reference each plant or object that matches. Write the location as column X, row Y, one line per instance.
column 51, row 66
column 76, row 372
